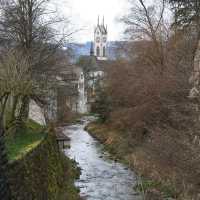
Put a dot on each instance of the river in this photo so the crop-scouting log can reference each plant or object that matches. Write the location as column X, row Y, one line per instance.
column 101, row 177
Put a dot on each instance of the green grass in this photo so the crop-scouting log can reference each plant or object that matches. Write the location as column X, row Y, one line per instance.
column 145, row 185
column 24, row 141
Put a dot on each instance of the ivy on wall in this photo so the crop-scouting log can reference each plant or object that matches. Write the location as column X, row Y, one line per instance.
column 40, row 175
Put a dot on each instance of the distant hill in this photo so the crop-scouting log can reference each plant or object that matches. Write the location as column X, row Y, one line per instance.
column 83, row 49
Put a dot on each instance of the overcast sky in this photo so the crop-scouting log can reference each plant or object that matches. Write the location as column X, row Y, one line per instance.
column 84, row 14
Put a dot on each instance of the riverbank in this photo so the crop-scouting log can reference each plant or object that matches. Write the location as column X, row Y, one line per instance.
column 37, row 169
column 160, row 179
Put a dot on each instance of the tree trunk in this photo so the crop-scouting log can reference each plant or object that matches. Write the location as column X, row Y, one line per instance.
column 24, row 111
column 14, row 106
column 12, row 120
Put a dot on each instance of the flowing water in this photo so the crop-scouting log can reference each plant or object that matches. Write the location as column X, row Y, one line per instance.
column 101, row 178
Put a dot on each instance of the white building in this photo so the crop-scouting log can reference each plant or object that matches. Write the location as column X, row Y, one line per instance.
column 74, row 89
column 100, row 41
column 82, row 96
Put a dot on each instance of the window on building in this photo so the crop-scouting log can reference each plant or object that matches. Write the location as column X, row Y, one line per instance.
column 98, row 39
column 98, row 51
column 104, row 51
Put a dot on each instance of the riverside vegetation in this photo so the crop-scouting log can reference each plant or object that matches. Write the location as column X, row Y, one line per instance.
column 147, row 113
column 148, row 102
column 37, row 168
column 150, row 182
column 31, row 165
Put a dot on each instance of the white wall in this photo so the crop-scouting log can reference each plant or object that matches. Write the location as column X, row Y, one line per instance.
column 36, row 113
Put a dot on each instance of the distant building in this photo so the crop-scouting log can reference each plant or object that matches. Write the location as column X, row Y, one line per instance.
column 63, row 95
column 82, row 95
column 73, row 92
column 100, row 41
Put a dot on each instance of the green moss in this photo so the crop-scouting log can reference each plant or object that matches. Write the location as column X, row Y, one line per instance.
column 70, row 192
column 45, row 173
column 37, row 168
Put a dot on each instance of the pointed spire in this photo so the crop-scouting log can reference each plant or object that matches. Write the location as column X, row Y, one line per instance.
column 103, row 20
column 98, row 21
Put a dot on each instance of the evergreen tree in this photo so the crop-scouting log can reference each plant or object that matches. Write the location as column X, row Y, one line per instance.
column 187, row 18
column 187, row 13
column 102, row 105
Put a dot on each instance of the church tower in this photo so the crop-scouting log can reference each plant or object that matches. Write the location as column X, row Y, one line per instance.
column 100, row 41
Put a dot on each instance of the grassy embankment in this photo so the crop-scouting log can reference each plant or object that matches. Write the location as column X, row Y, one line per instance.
column 25, row 141
column 135, row 157
column 20, row 145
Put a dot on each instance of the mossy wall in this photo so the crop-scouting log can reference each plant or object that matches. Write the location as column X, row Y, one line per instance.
column 39, row 175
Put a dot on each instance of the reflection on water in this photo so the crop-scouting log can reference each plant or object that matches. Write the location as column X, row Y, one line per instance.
column 101, row 178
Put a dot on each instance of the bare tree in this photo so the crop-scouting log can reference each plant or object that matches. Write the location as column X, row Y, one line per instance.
column 29, row 26
column 148, row 92
column 147, row 23
column 14, row 81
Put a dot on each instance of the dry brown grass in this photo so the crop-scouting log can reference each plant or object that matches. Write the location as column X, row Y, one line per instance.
column 160, row 157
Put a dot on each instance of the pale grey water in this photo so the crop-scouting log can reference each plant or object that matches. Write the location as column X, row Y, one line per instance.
column 101, row 178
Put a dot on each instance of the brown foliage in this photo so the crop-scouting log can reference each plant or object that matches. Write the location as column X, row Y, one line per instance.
column 151, row 86
column 145, row 92
column 149, row 99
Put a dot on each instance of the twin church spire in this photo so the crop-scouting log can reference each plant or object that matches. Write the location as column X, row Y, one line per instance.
column 102, row 21
column 99, row 47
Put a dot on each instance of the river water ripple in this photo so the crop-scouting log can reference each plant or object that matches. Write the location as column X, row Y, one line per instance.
column 101, row 178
